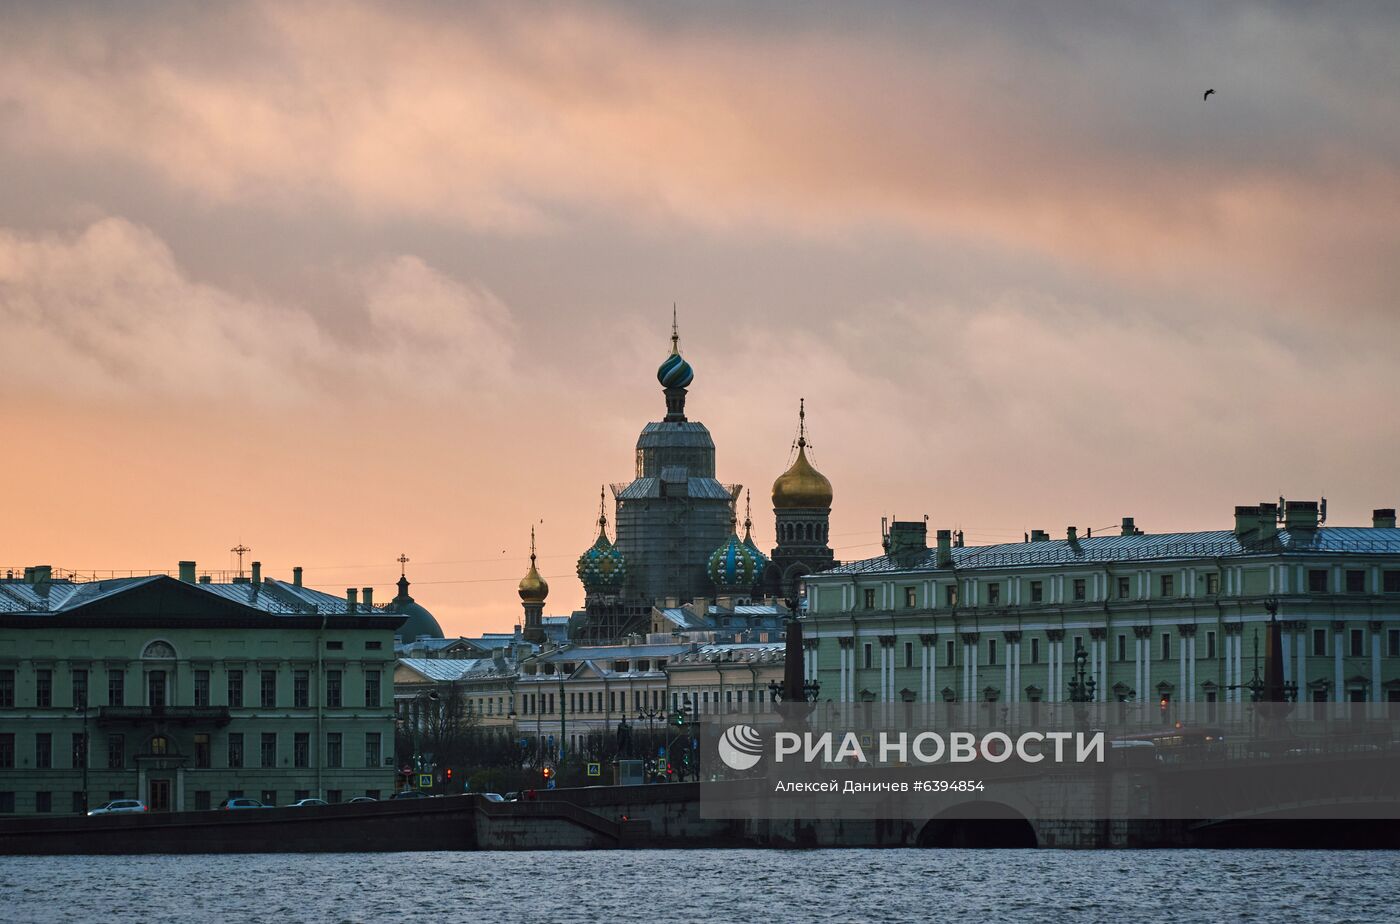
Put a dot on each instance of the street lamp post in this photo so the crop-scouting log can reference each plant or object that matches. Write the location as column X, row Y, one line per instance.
column 1081, row 691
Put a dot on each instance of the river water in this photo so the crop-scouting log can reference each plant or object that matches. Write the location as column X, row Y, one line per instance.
column 663, row 887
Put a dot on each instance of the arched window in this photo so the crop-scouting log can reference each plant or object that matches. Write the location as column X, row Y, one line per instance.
column 160, row 745
column 159, row 651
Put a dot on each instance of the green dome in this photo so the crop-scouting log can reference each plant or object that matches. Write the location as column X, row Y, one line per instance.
column 602, row 568
column 419, row 623
column 736, row 564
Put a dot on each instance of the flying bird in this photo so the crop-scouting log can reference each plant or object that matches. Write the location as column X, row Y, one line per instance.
column 1207, row 94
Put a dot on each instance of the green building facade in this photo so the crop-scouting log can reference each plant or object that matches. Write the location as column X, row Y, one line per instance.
column 183, row 693
column 1161, row 618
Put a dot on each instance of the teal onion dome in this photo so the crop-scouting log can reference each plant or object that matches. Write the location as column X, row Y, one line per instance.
column 736, row 564
column 675, row 372
column 602, row 568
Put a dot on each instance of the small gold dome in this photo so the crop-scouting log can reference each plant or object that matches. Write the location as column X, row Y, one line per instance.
column 801, row 485
column 533, row 588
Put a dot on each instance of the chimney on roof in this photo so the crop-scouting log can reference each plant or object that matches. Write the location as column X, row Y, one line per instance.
column 296, row 576
column 369, row 597
column 1383, row 518
column 206, row 579
column 1268, row 521
column 257, row 572
column 350, row 605
column 1300, row 515
column 1072, row 534
column 1129, row 528
column 945, row 548
column 907, row 541
column 187, row 571
column 1039, row 535
column 1246, row 523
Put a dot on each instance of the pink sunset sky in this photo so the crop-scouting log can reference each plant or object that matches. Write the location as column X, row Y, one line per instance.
column 341, row 281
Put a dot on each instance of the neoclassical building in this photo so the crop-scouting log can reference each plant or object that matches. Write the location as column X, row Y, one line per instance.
column 185, row 692
column 1168, row 618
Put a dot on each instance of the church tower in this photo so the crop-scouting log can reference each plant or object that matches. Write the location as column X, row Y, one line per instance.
column 802, row 516
column 533, row 591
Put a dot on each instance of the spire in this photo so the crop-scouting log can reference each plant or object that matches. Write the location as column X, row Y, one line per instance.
column 675, row 332
column 602, row 511
column 801, row 423
column 675, row 374
column 748, row 522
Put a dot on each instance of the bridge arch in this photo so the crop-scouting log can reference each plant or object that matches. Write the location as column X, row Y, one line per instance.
column 978, row 824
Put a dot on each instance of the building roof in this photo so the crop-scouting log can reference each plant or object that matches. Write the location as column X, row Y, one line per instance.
column 444, row 670
column 272, row 596
column 1143, row 547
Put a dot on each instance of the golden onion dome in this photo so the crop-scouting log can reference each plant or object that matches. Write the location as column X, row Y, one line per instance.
column 533, row 588
column 801, row 485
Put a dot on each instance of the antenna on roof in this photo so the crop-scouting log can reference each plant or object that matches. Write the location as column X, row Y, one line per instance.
column 240, row 550
column 1322, row 512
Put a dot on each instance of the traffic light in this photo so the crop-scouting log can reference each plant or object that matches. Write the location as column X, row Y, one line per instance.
column 548, row 774
column 449, row 774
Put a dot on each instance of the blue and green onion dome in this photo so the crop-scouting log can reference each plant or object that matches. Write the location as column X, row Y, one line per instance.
column 675, row 372
column 602, row 567
column 736, row 564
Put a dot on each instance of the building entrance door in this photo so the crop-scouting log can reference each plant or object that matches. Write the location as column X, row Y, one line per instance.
column 160, row 796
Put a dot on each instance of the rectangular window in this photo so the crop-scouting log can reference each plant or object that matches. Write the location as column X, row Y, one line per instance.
column 202, row 759
column 76, row 806
column 301, row 689
column 1124, row 588
column 80, row 687
column 1035, row 651
column 1356, row 582
column 991, row 651
column 372, row 749
column 1166, row 646
column 1168, row 585
column 7, row 689
column 1212, row 584
column 1317, row 581
column 1390, row 582
column 1079, row 589
column 7, row 803
column 43, row 688
column 269, row 797
column 201, row 688
column 1319, row 646
column 373, row 646
column 950, row 655
column 301, row 750
column 43, row 802
column 1210, row 645
column 1037, row 592
column 371, row 689
column 235, row 750
column 78, row 754
column 333, row 689
column 908, row 654
column 868, row 662
column 269, row 750
column 7, row 750
column 116, row 752
column 335, row 646
column 269, row 690
column 235, row 689
column 1358, row 643
column 202, row 800
column 333, row 756
column 43, row 751
column 869, row 598
column 1392, row 643
column 993, row 594
column 910, row 598
column 1122, row 648
column 155, row 688
column 333, row 796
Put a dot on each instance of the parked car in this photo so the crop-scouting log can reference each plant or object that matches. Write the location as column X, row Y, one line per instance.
column 304, row 803
column 364, row 799
column 410, row 794
column 493, row 797
column 241, row 803
column 512, row 797
column 119, row 807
